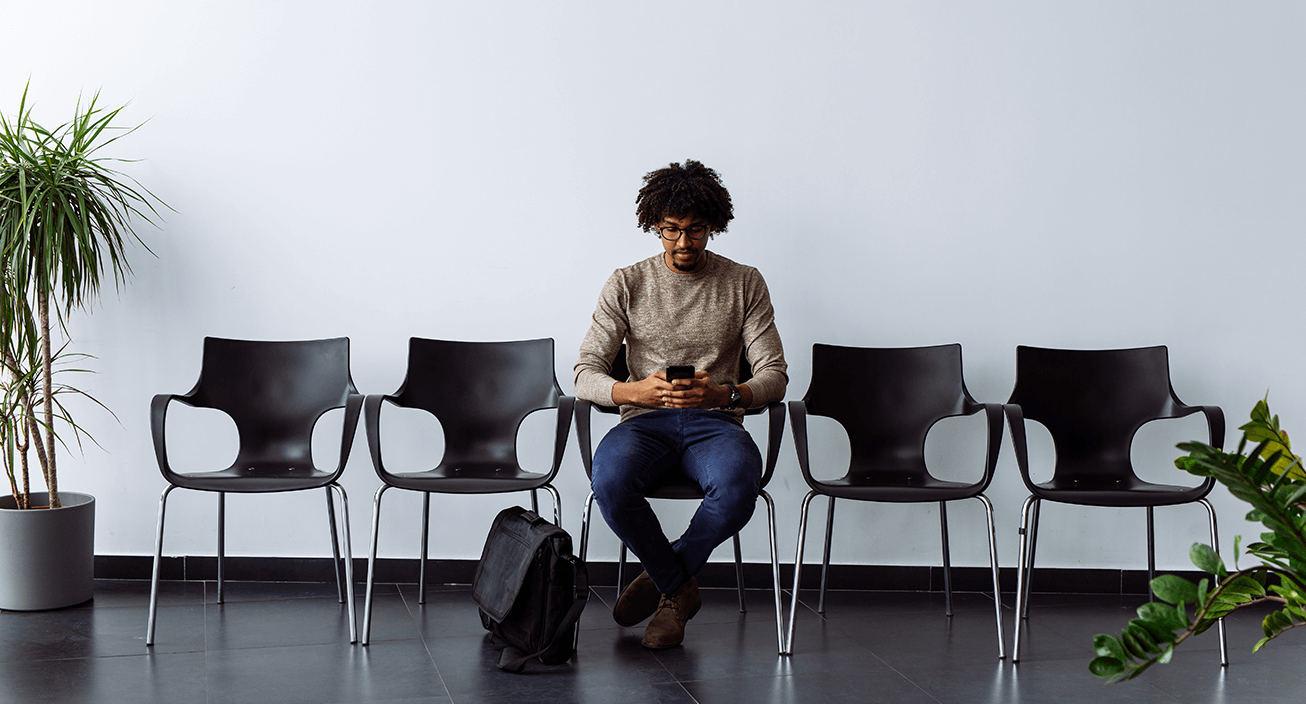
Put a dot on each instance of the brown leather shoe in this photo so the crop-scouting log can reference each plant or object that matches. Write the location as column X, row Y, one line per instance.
column 668, row 625
column 637, row 602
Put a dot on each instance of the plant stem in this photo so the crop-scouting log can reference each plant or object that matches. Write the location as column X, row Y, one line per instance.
column 47, row 386
column 24, row 401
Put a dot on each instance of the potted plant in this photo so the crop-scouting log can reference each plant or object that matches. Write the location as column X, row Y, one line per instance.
column 66, row 220
column 1269, row 477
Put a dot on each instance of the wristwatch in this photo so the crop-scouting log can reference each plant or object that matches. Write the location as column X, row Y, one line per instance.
column 735, row 396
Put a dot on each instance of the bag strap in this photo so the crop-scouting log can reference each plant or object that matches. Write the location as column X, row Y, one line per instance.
column 512, row 659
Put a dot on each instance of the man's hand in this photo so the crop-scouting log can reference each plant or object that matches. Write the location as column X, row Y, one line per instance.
column 656, row 392
column 699, row 392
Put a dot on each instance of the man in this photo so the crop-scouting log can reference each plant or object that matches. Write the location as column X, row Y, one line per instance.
column 683, row 306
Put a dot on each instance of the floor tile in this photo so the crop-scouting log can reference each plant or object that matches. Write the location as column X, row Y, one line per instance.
column 98, row 632
column 166, row 679
column 259, row 624
column 830, row 687
column 289, row 643
column 318, row 674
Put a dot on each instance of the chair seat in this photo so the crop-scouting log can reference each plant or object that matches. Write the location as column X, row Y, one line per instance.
column 685, row 489
column 469, row 478
column 256, row 478
column 897, row 488
column 1126, row 492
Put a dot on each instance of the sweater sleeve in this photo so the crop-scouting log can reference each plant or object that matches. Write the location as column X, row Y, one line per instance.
column 762, row 345
column 593, row 381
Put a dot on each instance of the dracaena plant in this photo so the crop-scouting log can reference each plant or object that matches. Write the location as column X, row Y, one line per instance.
column 1269, row 477
column 66, row 220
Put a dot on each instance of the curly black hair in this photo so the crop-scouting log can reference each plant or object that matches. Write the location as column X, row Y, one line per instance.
column 682, row 190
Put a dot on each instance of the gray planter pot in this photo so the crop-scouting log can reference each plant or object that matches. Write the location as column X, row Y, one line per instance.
column 47, row 556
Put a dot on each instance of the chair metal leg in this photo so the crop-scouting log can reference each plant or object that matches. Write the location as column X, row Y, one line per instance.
column 535, row 502
column 1022, row 567
column 1033, row 549
column 335, row 548
column 154, row 575
column 222, row 539
column 422, row 550
column 585, row 526
column 775, row 573
column 1215, row 544
column 1151, row 551
column 798, row 570
column 584, row 546
column 947, row 560
column 825, row 556
column 993, row 565
column 371, row 563
column 349, row 562
column 621, row 569
column 557, row 504
column 739, row 575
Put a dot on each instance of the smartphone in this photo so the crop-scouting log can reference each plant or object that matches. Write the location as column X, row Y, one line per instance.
column 680, row 371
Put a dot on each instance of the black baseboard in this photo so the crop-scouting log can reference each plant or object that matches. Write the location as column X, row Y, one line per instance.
column 715, row 574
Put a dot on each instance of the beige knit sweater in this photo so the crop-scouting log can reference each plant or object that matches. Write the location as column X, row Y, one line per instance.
column 705, row 318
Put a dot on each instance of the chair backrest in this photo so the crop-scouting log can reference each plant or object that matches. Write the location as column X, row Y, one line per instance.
column 1093, row 402
column 480, row 392
column 274, row 392
column 887, row 399
column 621, row 372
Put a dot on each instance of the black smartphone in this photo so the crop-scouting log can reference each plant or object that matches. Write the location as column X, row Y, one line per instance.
column 680, row 371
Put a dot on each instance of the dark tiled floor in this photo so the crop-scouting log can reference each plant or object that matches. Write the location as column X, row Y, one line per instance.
column 288, row 643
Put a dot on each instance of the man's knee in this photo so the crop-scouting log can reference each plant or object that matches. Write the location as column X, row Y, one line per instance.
column 734, row 494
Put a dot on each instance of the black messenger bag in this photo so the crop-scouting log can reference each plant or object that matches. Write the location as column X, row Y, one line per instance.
column 530, row 588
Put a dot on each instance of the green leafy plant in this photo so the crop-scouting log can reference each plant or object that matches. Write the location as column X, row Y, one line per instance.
column 1270, row 478
column 66, row 219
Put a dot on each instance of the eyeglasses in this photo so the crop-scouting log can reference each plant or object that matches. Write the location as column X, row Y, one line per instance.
column 695, row 232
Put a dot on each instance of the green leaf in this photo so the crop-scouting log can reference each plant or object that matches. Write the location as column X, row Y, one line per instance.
column 1297, row 495
column 1244, row 586
column 1149, row 635
column 1108, row 647
column 1220, row 608
column 1105, row 666
column 1133, row 645
column 1204, row 557
column 1166, row 653
column 1201, row 592
column 1173, row 589
column 1160, row 617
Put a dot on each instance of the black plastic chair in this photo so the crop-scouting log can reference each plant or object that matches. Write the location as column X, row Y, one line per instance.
column 480, row 392
column 1093, row 402
column 687, row 489
column 275, row 392
column 886, row 400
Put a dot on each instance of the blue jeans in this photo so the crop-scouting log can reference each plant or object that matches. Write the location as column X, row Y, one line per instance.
column 646, row 451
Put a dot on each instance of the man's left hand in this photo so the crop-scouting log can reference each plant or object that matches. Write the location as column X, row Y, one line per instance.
column 699, row 392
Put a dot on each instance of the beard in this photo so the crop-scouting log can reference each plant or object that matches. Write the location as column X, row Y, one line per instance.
column 687, row 268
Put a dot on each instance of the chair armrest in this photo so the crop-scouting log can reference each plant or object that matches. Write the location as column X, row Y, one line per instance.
column 993, row 416
column 798, row 423
column 1016, row 420
column 158, row 414
column 775, row 430
column 353, row 404
column 582, row 415
column 1215, row 429
column 372, row 424
column 1214, row 424
column 565, row 411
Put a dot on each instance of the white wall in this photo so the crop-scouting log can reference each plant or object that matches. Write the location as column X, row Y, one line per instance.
column 1082, row 174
